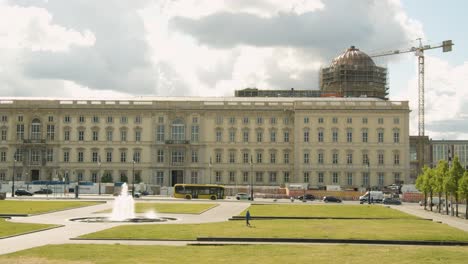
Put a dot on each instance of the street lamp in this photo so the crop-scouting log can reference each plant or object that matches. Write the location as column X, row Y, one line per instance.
column 13, row 179
column 251, row 179
column 133, row 178
column 99, row 175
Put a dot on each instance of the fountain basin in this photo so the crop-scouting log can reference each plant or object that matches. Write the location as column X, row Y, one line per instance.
column 128, row 220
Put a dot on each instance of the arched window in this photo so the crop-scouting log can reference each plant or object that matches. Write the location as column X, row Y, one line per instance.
column 36, row 129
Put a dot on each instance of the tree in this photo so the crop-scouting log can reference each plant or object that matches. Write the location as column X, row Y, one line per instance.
column 423, row 184
column 107, row 178
column 438, row 181
column 463, row 191
column 444, row 170
column 456, row 172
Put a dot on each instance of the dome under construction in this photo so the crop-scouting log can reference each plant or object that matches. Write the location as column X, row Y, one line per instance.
column 354, row 74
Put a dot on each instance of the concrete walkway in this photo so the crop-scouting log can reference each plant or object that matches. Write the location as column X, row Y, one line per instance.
column 70, row 229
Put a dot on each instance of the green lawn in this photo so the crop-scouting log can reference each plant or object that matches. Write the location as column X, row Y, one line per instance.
column 322, row 210
column 401, row 229
column 37, row 207
column 8, row 228
column 255, row 254
column 171, row 208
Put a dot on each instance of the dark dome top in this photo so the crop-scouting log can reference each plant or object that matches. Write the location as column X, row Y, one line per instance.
column 353, row 56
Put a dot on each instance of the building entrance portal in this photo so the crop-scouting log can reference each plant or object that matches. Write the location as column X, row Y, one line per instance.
column 34, row 175
column 177, row 176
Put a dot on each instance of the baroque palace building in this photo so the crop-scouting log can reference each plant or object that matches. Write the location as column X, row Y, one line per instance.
column 351, row 142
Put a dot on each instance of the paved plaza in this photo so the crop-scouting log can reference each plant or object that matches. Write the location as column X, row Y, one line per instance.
column 222, row 212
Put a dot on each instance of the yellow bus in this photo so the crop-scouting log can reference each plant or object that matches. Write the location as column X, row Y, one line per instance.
column 202, row 191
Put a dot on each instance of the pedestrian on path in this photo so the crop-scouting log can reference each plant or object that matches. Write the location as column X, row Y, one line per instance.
column 247, row 218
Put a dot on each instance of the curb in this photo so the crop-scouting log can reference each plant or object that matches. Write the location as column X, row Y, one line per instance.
column 234, row 218
column 333, row 241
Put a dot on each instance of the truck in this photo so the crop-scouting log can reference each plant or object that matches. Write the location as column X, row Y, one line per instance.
column 375, row 196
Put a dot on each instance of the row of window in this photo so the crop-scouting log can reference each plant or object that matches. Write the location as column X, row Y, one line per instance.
column 306, row 120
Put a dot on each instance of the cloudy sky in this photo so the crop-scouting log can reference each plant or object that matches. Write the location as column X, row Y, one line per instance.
column 121, row 48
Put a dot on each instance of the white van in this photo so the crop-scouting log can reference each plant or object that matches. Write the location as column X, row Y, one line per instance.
column 375, row 196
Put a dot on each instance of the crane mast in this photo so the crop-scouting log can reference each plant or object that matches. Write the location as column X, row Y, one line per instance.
column 419, row 52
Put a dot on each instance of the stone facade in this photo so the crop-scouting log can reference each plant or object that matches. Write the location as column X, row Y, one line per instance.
column 163, row 141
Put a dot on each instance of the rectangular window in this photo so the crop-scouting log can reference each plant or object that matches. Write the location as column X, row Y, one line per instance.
column 272, row 177
column 396, row 159
column 396, row 137
column 137, row 156
column 286, row 136
column 306, row 158
column 335, row 158
column 380, row 158
column 286, row 120
column 218, row 177
column 273, row 136
column 259, row 136
column 365, row 179
column 273, row 120
column 20, row 118
column 364, row 120
column 335, row 135
column 272, row 158
column 81, row 119
column 3, row 156
column 160, row 178
column 396, row 120
column 50, row 155
column 320, row 120
column 335, row 178
column 218, row 157
column 259, row 177
column 219, row 135
column 66, row 156
column 4, row 118
column 137, row 119
column 381, row 178
column 320, row 158
column 232, row 136
column 259, row 157
column 380, row 136
column 245, row 136
column 50, row 132
column 286, row 176
column 138, row 136
column 95, row 135
column 349, row 120
column 123, row 135
column 380, row 121
column 108, row 156
column 286, row 157
column 4, row 134
column 232, row 176
column 306, row 176
column 259, row 120
column 95, row 157
column 80, row 135
column 320, row 136
column 66, row 135
column 123, row 120
column 95, row 119
column 219, row 120
column 160, row 133
column 110, row 120
column 245, row 177
column 349, row 178
column 123, row 156
column 195, row 133
column 94, row 177
column 320, row 177
column 335, row 120
column 160, row 156
column 306, row 136
column 109, row 135
column 306, row 120
column 232, row 120
column 194, row 156
column 349, row 136
column 364, row 136
column 245, row 157
column 80, row 156
column 160, row 119
column 232, row 157
column 396, row 177
column 20, row 131
column 365, row 159
column 245, row 120
column 349, row 158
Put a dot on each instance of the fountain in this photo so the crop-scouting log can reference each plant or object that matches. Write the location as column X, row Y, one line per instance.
column 123, row 210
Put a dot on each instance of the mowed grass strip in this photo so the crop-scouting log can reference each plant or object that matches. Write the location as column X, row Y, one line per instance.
column 170, row 208
column 398, row 229
column 258, row 254
column 322, row 210
column 37, row 207
column 8, row 228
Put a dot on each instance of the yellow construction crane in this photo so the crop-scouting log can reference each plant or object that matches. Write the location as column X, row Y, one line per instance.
column 419, row 52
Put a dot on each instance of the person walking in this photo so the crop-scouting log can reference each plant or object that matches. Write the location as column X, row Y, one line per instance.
column 247, row 218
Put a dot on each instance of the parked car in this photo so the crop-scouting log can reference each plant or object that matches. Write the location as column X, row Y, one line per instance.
column 331, row 199
column 307, row 197
column 435, row 202
column 21, row 192
column 242, row 196
column 391, row 201
column 43, row 191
